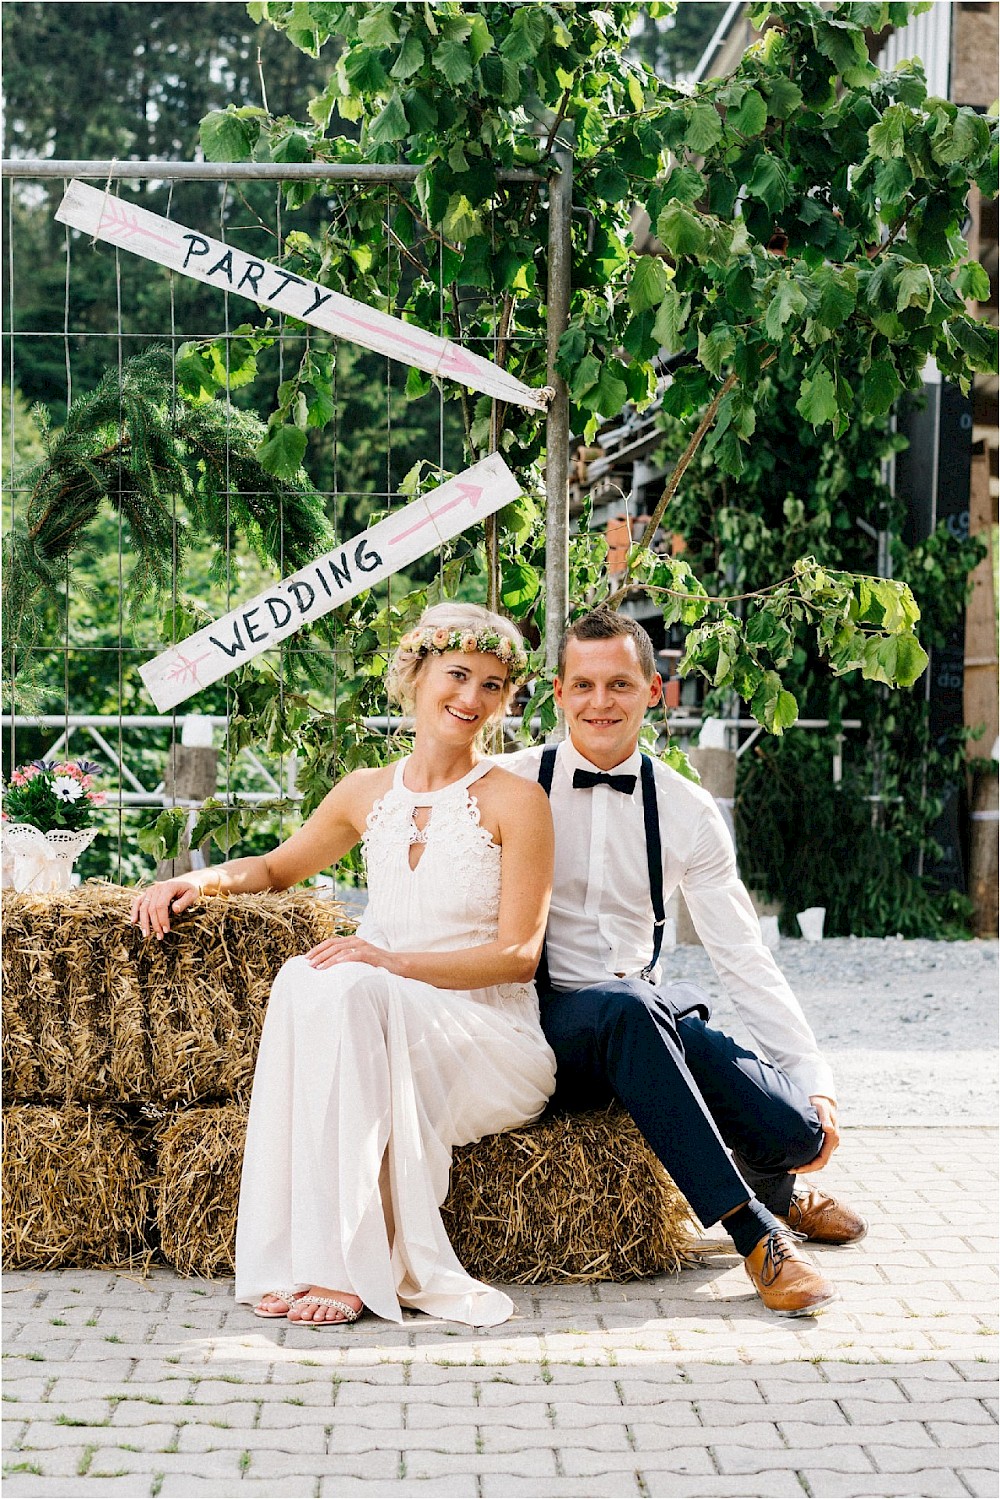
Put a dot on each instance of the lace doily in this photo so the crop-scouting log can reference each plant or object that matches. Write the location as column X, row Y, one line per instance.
column 38, row 862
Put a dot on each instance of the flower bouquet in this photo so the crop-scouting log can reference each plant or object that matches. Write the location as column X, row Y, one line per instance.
column 48, row 810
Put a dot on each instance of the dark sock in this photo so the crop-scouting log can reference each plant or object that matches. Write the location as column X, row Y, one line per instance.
column 749, row 1224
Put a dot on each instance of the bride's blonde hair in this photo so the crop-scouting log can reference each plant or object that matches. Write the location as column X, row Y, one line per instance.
column 470, row 621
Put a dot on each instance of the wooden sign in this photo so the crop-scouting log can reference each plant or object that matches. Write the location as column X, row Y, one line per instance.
column 217, row 264
column 327, row 582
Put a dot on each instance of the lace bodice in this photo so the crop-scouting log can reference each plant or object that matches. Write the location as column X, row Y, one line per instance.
column 452, row 898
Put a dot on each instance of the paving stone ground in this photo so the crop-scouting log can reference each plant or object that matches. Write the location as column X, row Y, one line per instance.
column 120, row 1385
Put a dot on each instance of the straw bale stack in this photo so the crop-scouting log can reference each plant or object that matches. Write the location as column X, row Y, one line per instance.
column 200, row 1158
column 94, row 1012
column 74, row 1186
column 574, row 1198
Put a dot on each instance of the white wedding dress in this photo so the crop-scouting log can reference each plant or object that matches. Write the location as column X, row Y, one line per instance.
column 365, row 1081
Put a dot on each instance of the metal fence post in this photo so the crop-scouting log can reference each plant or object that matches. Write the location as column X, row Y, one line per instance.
column 557, row 424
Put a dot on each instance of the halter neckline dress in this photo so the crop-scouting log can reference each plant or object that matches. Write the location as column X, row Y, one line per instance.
column 366, row 1081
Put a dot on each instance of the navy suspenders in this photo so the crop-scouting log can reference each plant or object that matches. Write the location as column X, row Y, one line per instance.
column 654, row 856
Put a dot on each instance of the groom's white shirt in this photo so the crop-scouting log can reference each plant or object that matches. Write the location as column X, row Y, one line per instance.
column 601, row 917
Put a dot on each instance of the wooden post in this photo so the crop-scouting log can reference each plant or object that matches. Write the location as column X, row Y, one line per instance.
column 981, row 707
column 189, row 777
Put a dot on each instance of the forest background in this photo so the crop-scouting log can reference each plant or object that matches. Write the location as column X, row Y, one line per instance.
column 154, row 81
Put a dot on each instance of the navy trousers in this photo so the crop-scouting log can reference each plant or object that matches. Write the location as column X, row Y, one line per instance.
column 699, row 1098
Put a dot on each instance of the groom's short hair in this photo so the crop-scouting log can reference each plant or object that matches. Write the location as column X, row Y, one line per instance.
column 605, row 624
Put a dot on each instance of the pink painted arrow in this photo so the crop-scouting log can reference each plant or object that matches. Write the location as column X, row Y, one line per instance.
column 373, row 328
column 452, row 360
column 115, row 216
column 463, row 492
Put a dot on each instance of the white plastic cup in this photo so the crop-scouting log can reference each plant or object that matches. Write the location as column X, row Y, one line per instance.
column 811, row 923
column 769, row 933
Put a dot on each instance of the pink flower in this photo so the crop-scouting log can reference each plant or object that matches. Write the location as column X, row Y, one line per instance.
column 97, row 798
column 17, row 779
column 503, row 650
column 409, row 641
column 86, row 781
column 469, row 642
column 440, row 638
column 30, row 772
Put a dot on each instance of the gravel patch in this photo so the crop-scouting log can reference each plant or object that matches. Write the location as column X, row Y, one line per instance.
column 910, row 1028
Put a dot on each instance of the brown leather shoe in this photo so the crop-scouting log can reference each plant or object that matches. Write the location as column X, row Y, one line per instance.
column 822, row 1219
column 785, row 1281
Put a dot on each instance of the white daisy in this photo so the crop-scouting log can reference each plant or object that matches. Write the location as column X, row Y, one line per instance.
column 66, row 789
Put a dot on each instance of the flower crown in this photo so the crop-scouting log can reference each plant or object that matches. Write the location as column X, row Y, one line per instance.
column 436, row 640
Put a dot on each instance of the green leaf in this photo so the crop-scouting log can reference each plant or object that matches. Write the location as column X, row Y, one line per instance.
column 611, row 393
column 838, row 295
column 480, row 40
column 410, row 58
column 681, row 231
column 453, row 61
column 769, row 182
column 519, row 585
column 772, row 706
column 390, row 124
column 886, row 137
column 972, row 282
column 584, row 377
column 704, row 129
column 844, row 44
column 648, row 284
column 915, row 287
column 978, row 341
column 461, row 221
column 715, row 347
column 612, row 184
column 528, row 31
column 669, row 320
column 893, row 181
column 967, row 140
column 817, row 403
column 784, row 98
column 377, row 27
column 879, row 387
column 282, row 454
column 751, row 117
column 363, row 68
column 225, row 137
column 788, row 301
column 911, row 660
column 685, row 184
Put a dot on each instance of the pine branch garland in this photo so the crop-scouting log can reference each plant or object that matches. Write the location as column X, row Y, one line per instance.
column 175, row 473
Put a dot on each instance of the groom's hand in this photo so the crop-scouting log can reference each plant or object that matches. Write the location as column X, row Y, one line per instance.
column 827, row 1111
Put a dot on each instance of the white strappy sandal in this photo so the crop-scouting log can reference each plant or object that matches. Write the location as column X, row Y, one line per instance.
column 350, row 1313
column 287, row 1296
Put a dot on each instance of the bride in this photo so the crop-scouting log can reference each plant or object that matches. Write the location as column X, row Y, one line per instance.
column 382, row 1051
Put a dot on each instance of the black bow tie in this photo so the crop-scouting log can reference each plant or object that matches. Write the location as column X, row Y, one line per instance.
column 586, row 780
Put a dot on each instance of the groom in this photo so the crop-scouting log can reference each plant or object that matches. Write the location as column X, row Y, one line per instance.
column 629, row 831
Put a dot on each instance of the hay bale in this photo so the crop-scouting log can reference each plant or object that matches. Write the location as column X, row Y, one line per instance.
column 200, row 1158
column 93, row 1011
column 574, row 1198
column 75, row 1189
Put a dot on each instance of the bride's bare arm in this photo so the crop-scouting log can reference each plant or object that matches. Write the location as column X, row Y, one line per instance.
column 326, row 836
column 524, row 823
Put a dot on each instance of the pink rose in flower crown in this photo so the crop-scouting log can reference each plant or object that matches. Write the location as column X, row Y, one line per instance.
column 469, row 641
column 410, row 641
column 440, row 638
column 503, row 650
